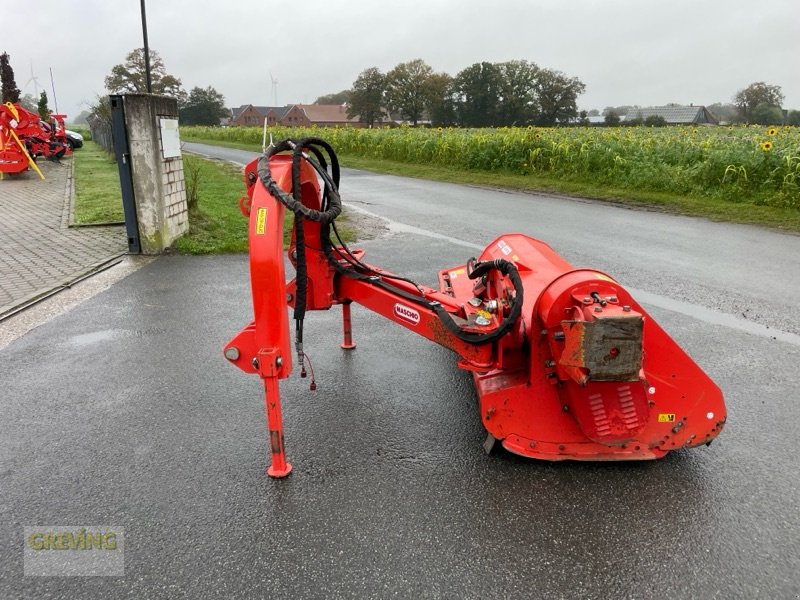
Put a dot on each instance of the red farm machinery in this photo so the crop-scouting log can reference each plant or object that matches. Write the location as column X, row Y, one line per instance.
column 24, row 137
column 566, row 364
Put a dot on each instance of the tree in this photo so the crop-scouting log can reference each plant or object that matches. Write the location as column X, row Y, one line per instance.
column 41, row 106
column 612, row 119
column 407, row 89
column 82, row 118
column 655, row 121
column 130, row 77
column 765, row 114
column 517, row 102
column 203, row 107
column 557, row 96
column 366, row 99
column 476, row 91
column 726, row 112
column 619, row 110
column 342, row 97
column 749, row 98
column 793, row 118
column 9, row 85
column 440, row 102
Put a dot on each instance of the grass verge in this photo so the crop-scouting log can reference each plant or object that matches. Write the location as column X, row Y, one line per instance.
column 786, row 219
column 97, row 194
column 216, row 225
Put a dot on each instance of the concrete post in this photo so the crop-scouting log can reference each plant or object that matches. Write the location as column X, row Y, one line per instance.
column 157, row 170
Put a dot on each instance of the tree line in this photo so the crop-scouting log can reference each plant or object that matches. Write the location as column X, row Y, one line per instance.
column 200, row 106
column 484, row 94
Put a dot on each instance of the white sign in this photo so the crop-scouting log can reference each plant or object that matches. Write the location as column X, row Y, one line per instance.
column 170, row 140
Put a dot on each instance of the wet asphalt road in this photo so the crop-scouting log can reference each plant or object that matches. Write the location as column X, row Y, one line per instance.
column 123, row 412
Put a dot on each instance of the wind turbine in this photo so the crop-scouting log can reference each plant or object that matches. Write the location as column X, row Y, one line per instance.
column 35, row 81
column 274, row 89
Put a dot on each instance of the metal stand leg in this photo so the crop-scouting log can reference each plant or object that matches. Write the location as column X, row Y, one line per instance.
column 279, row 466
column 347, row 344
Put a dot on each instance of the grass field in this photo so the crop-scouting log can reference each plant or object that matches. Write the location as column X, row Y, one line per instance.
column 739, row 174
column 97, row 194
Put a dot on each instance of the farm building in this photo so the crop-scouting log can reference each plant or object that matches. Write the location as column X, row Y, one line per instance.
column 675, row 114
column 293, row 115
column 249, row 115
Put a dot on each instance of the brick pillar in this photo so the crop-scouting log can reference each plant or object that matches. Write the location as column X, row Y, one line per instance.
column 157, row 170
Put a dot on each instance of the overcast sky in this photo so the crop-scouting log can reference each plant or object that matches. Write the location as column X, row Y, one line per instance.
column 625, row 51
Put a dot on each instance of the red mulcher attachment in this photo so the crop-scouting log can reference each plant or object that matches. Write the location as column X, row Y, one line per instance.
column 15, row 155
column 58, row 131
column 566, row 364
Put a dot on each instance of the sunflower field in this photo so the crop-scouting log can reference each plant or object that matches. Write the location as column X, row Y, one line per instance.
column 749, row 164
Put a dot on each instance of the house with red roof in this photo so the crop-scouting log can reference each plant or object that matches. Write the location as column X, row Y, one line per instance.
column 293, row 115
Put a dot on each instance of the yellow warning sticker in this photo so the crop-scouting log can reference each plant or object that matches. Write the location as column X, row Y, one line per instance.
column 261, row 221
column 666, row 417
column 456, row 273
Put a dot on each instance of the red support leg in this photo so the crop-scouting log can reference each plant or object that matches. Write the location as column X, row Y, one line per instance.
column 347, row 344
column 279, row 466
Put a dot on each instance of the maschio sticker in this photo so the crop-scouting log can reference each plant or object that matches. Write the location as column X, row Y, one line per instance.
column 407, row 313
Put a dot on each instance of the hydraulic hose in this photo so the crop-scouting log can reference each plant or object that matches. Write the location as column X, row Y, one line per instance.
column 480, row 269
column 330, row 208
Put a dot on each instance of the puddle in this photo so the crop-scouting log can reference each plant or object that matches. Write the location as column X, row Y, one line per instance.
column 86, row 339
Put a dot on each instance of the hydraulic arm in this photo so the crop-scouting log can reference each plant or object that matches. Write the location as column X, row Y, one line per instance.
column 566, row 364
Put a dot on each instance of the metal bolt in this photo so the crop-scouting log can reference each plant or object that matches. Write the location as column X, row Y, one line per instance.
column 612, row 299
column 475, row 301
column 532, row 444
column 559, row 336
column 587, row 300
column 232, row 353
column 279, row 362
column 549, row 363
column 289, row 297
column 597, row 309
column 626, row 308
column 254, row 362
column 482, row 321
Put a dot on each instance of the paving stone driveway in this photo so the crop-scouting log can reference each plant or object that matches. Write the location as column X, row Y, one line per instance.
column 39, row 251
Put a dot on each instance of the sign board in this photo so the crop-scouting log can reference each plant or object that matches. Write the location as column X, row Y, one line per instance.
column 170, row 140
